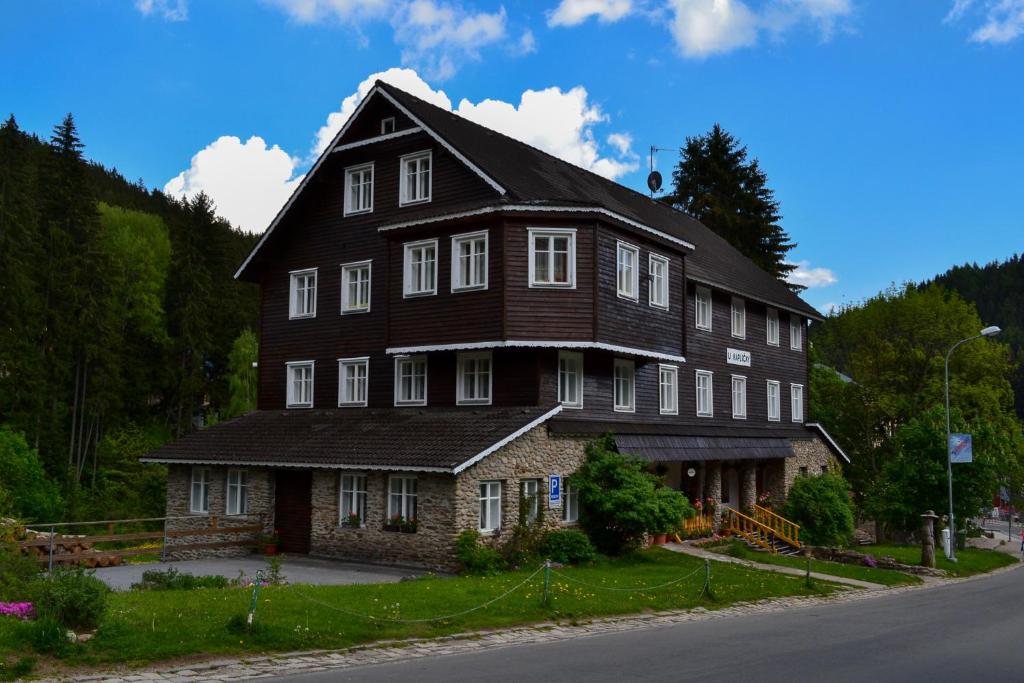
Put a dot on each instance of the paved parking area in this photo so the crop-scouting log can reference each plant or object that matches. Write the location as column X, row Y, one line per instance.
column 296, row 569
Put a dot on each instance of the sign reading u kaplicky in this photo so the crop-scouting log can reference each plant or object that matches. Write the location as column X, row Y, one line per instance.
column 737, row 357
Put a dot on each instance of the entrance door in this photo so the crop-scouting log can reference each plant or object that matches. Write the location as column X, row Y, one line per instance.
column 293, row 509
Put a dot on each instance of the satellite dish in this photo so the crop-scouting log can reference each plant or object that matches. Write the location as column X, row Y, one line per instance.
column 654, row 181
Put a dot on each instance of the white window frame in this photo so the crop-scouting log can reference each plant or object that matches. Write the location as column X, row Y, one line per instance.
column 671, row 373
column 457, row 241
column 407, row 495
column 241, row 486
column 621, row 364
column 293, row 278
column 530, row 499
column 796, row 333
column 203, row 481
column 403, row 198
column 577, row 358
column 777, row 403
column 796, row 402
column 399, row 361
column 383, row 125
column 710, row 376
column 739, row 407
column 658, row 294
column 772, row 325
column 738, row 318
column 350, row 172
column 571, row 504
column 407, row 279
column 702, row 299
column 631, row 290
column 345, row 400
column 570, row 233
column 460, row 375
column 353, row 484
column 346, row 299
column 489, row 494
column 290, row 389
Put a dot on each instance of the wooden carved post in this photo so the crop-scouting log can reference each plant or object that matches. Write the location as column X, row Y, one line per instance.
column 928, row 539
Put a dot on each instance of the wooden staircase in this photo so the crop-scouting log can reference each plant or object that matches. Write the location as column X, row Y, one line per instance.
column 764, row 530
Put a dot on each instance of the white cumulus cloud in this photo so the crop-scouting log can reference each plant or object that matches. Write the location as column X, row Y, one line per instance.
column 248, row 181
column 811, row 277
column 573, row 12
column 436, row 36
column 171, row 10
column 706, row 27
column 1003, row 19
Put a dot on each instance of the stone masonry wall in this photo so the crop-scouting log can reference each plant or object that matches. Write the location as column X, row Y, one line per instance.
column 179, row 491
column 811, row 454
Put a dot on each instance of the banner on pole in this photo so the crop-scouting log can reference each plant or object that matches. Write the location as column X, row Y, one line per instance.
column 960, row 448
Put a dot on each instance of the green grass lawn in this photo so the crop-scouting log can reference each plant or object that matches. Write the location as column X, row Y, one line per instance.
column 886, row 577
column 142, row 627
column 970, row 560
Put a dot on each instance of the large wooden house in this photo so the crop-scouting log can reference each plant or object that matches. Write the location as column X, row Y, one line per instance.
column 450, row 315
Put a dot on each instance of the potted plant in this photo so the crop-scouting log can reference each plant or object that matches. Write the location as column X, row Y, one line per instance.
column 409, row 526
column 353, row 520
column 765, row 500
column 270, row 543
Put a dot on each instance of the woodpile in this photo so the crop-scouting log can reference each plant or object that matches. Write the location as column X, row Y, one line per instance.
column 68, row 550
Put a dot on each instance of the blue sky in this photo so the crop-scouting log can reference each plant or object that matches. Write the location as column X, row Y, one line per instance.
column 891, row 131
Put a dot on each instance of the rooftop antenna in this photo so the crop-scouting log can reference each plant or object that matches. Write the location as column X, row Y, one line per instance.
column 654, row 179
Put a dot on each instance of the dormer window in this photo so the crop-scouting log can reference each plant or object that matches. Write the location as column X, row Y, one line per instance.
column 359, row 189
column 415, row 178
column 387, row 125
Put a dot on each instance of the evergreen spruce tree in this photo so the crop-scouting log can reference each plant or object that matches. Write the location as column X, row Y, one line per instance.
column 715, row 183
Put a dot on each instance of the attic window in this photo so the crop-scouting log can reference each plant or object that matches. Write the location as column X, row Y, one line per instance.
column 387, row 125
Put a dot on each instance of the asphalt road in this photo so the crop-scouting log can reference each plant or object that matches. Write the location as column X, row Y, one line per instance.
column 971, row 631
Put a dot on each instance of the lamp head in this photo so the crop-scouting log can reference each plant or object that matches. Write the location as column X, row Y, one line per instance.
column 991, row 331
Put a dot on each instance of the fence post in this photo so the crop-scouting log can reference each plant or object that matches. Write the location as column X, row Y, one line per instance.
column 810, row 584
column 53, row 532
column 163, row 548
column 255, row 596
column 547, row 579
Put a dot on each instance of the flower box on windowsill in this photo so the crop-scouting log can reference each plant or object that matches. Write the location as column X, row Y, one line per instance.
column 398, row 524
column 352, row 522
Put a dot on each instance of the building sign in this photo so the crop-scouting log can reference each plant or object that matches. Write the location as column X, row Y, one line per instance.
column 554, row 490
column 737, row 357
column 960, row 448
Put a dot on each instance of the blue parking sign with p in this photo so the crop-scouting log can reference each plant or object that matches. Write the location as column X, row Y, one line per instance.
column 554, row 490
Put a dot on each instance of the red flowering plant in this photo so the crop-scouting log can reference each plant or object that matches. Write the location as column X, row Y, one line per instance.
column 765, row 500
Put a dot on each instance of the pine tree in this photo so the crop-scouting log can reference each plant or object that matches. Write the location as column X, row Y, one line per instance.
column 715, row 183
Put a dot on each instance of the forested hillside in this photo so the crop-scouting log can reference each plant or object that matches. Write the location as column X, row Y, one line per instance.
column 997, row 291
column 118, row 316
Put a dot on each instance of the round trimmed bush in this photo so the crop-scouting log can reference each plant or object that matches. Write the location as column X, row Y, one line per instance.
column 822, row 507
column 568, row 546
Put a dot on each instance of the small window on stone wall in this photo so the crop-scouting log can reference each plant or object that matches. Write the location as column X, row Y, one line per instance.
column 824, row 469
column 803, row 471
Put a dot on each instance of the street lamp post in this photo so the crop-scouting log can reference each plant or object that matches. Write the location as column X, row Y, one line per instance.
column 987, row 332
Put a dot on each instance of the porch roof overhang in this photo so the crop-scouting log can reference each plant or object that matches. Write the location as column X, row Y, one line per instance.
column 675, row 448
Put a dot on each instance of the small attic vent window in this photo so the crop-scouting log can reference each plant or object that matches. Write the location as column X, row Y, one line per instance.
column 387, row 125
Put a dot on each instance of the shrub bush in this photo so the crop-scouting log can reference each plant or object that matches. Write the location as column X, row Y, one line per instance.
column 17, row 573
column 73, row 598
column 171, row 579
column 822, row 507
column 568, row 546
column 475, row 557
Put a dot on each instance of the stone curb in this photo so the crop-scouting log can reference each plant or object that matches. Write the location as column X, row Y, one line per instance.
column 394, row 650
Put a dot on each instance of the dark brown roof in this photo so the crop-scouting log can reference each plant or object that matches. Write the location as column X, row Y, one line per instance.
column 697, row 448
column 389, row 438
column 530, row 175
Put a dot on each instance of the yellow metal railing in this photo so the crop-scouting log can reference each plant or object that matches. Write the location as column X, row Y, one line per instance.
column 784, row 529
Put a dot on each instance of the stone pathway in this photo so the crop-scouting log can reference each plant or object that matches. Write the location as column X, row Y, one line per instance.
column 688, row 549
column 389, row 651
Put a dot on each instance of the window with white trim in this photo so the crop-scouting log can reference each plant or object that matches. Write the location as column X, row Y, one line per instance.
column 473, row 378
column 668, row 389
column 570, row 379
column 469, row 261
column 300, row 384
column 421, row 268
column 237, row 502
column 199, row 501
column 796, row 402
column 415, row 178
column 796, row 333
column 705, row 397
column 359, row 189
column 739, row 397
column 530, row 500
column 772, row 326
column 774, row 403
column 625, row 386
column 490, row 506
column 658, row 276
column 355, row 287
column 627, row 274
column 387, row 125
column 353, row 381
column 739, row 318
column 302, row 293
column 401, row 498
column 570, row 504
column 411, row 381
column 552, row 257
column 352, row 499
column 702, row 308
